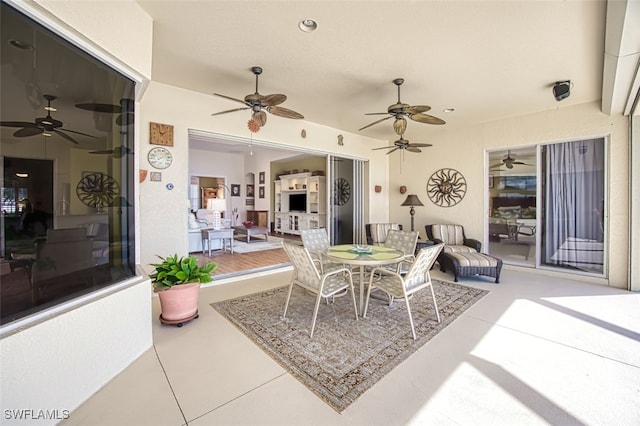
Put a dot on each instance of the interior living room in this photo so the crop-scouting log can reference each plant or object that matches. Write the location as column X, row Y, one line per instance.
column 148, row 129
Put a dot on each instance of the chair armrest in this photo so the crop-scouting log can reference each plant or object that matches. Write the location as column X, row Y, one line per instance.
column 475, row 244
column 369, row 241
column 437, row 241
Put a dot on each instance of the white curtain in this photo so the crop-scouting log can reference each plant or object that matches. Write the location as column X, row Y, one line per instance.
column 574, row 205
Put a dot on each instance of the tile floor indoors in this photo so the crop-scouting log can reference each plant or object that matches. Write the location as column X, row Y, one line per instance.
column 535, row 350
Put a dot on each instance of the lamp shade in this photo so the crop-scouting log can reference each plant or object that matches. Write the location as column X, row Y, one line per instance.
column 412, row 200
column 216, row 204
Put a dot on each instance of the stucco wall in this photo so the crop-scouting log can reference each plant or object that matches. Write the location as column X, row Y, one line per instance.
column 163, row 227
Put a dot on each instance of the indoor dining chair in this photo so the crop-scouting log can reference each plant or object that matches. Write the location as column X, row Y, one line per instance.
column 416, row 279
column 307, row 276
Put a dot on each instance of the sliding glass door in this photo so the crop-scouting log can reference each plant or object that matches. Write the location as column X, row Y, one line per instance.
column 346, row 200
column 547, row 206
column 573, row 227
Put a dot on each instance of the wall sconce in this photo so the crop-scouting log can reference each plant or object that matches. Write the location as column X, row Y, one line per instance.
column 403, row 189
column 412, row 200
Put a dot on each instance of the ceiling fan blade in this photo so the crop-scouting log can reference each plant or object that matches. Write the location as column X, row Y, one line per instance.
column 230, row 98
column 106, row 108
column 417, row 109
column 124, row 119
column 496, row 166
column 422, row 145
column 413, row 149
column 376, row 113
column 284, row 112
column 17, row 124
column 27, row 131
column 426, row 118
column 67, row 137
column 273, row 100
column 384, row 147
column 394, row 149
column 76, row 132
column 229, row 110
column 376, row 122
column 106, row 151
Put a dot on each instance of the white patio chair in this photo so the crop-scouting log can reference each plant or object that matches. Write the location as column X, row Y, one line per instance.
column 307, row 276
column 416, row 279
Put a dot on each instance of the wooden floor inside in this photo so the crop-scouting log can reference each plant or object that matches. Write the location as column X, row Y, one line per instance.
column 238, row 262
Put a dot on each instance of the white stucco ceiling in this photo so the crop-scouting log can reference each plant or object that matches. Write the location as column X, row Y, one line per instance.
column 487, row 59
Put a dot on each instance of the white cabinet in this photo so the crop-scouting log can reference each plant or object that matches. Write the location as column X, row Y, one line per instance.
column 300, row 203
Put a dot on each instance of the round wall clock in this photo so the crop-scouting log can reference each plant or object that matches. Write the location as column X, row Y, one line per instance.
column 160, row 157
column 341, row 192
column 97, row 190
column 446, row 187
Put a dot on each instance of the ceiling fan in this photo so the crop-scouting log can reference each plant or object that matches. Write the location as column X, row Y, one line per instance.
column 402, row 143
column 399, row 111
column 117, row 152
column 43, row 125
column 509, row 162
column 257, row 103
column 125, row 109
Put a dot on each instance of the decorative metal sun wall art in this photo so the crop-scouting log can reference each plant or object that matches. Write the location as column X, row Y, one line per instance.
column 446, row 187
column 97, row 190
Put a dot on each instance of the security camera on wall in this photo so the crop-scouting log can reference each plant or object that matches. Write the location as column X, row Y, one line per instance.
column 561, row 90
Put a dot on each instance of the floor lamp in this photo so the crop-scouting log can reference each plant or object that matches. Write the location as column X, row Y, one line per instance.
column 412, row 200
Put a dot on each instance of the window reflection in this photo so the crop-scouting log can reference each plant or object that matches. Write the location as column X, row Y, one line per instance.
column 67, row 178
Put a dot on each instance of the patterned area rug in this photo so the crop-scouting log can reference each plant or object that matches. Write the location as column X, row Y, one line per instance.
column 345, row 357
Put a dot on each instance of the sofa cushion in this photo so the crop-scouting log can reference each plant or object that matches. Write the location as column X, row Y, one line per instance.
column 449, row 234
column 458, row 249
column 379, row 231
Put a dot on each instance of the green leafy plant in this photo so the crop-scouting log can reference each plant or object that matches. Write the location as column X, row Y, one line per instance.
column 175, row 271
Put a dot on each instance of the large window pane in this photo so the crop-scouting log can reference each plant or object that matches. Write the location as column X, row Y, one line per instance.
column 67, row 170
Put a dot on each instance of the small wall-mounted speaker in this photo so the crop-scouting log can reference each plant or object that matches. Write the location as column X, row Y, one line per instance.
column 561, row 89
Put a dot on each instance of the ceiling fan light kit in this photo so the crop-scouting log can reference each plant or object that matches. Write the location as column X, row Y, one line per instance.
column 400, row 110
column 258, row 104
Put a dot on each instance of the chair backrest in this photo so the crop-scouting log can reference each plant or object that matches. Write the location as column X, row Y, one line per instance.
column 449, row 234
column 304, row 269
column 402, row 240
column 315, row 240
column 377, row 232
column 418, row 274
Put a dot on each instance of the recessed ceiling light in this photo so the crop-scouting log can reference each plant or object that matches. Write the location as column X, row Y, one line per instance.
column 22, row 45
column 46, row 134
column 448, row 110
column 22, row 174
column 308, row 25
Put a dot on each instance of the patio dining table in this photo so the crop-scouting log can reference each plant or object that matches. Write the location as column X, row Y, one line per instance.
column 357, row 255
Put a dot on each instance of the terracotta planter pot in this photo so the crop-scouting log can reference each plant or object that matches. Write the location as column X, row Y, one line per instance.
column 180, row 302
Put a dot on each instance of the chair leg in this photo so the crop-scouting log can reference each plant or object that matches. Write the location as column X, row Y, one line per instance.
column 433, row 296
column 413, row 329
column 315, row 313
column 286, row 306
column 353, row 297
column 366, row 300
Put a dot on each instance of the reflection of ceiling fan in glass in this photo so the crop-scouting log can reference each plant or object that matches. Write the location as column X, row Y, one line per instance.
column 258, row 103
column 125, row 110
column 509, row 162
column 46, row 126
column 399, row 111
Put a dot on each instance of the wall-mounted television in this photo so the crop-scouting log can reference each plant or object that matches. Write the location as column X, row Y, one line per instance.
column 297, row 202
